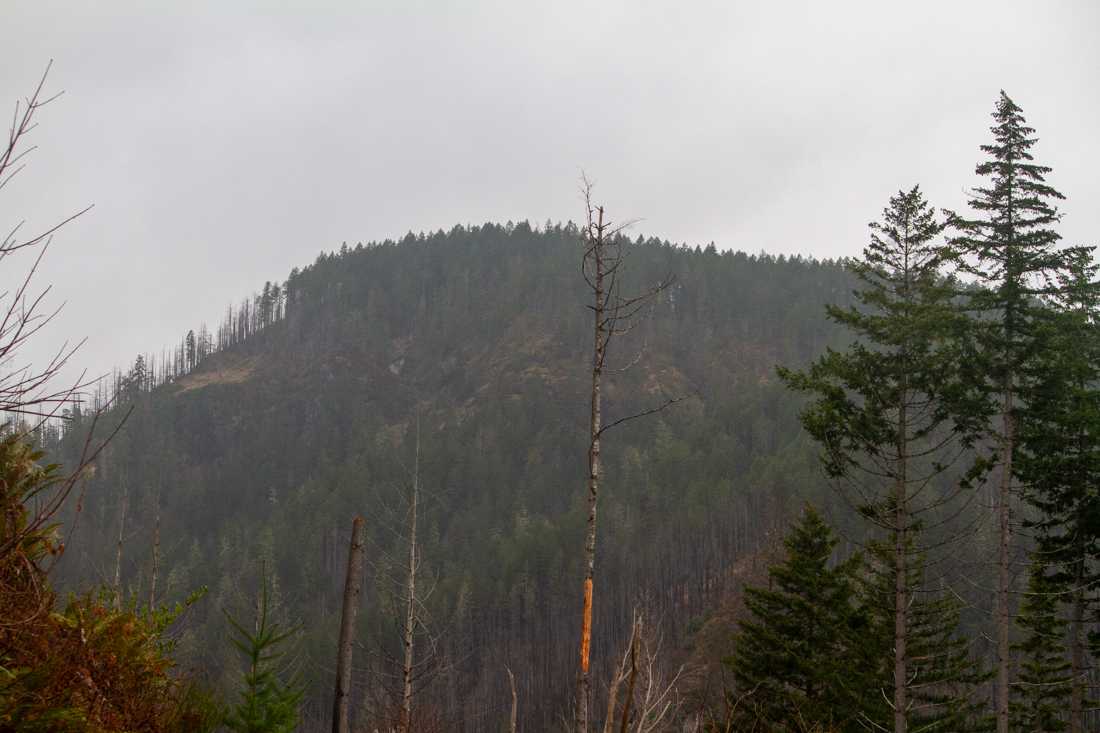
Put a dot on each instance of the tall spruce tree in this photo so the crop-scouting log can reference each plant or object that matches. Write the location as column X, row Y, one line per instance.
column 1045, row 679
column 1059, row 457
column 798, row 662
column 891, row 412
column 1009, row 246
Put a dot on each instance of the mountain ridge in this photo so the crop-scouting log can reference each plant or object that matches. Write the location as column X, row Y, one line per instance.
column 260, row 454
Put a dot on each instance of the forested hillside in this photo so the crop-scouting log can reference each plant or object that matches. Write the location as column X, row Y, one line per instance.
column 248, row 453
column 560, row 477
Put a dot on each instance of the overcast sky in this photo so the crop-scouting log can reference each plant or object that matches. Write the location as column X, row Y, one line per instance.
column 225, row 143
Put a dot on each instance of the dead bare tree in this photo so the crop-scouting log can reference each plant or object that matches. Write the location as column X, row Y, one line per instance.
column 408, row 637
column 30, row 391
column 515, row 700
column 26, row 389
column 117, row 585
column 614, row 315
column 402, row 676
column 156, row 555
column 650, row 700
column 352, row 586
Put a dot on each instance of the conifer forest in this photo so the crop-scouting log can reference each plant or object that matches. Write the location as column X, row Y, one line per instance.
column 568, row 476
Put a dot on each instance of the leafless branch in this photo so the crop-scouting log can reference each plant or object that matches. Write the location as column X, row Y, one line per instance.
column 652, row 411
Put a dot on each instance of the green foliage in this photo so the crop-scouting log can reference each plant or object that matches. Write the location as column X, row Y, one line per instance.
column 1059, row 464
column 88, row 666
column 160, row 618
column 1059, row 460
column 1010, row 244
column 893, row 413
column 267, row 447
column 268, row 704
column 893, row 393
column 1045, row 678
column 801, row 659
column 945, row 678
column 1010, row 247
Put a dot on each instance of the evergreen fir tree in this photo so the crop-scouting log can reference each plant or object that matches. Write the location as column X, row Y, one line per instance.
column 891, row 412
column 1059, row 458
column 1045, row 678
column 797, row 662
column 268, row 705
column 1009, row 246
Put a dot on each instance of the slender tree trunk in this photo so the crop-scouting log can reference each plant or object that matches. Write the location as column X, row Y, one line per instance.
column 901, row 581
column 613, row 692
column 1077, row 649
column 599, row 344
column 515, row 701
column 405, row 719
column 628, row 701
column 156, row 559
column 352, row 586
column 612, row 314
column 621, row 675
column 118, row 549
column 612, row 700
column 901, row 528
column 1003, row 569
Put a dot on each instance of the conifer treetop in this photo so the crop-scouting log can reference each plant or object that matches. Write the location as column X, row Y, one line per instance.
column 1011, row 237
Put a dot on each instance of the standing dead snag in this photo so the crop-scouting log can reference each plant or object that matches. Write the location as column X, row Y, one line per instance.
column 29, row 510
column 515, row 700
column 405, row 721
column 26, row 389
column 613, row 314
column 156, row 555
column 401, row 675
column 118, row 548
column 352, row 585
column 650, row 699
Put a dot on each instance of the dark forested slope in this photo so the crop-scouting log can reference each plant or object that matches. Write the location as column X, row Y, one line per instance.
column 258, row 457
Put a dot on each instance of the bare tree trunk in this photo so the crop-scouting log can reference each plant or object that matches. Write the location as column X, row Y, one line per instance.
column 405, row 719
column 620, row 674
column 515, row 700
column 650, row 700
column 901, row 609
column 901, row 579
column 613, row 314
column 1077, row 649
column 628, row 701
column 613, row 696
column 156, row 558
column 1003, row 569
column 352, row 586
column 118, row 549
column 598, row 354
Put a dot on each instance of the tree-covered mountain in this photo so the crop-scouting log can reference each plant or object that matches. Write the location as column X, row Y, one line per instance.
column 250, row 454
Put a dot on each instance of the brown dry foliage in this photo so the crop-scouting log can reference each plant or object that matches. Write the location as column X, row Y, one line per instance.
column 86, row 666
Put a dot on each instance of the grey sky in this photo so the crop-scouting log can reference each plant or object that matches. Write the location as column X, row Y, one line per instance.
column 224, row 143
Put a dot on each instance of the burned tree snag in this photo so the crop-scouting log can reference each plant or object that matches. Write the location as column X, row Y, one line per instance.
column 352, row 586
column 613, row 314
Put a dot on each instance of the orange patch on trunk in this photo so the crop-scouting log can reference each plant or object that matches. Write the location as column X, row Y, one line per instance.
column 586, row 628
